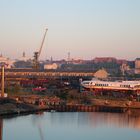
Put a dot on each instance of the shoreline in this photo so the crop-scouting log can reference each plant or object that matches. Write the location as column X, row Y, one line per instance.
column 106, row 107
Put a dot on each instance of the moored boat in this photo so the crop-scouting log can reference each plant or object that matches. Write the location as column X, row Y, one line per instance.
column 111, row 85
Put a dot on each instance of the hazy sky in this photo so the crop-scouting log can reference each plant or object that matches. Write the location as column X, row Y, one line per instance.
column 85, row 28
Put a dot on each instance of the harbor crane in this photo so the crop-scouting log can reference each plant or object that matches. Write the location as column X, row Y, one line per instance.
column 37, row 53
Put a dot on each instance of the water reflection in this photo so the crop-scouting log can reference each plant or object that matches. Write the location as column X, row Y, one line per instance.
column 1, row 128
column 52, row 125
column 117, row 120
column 37, row 122
column 97, row 119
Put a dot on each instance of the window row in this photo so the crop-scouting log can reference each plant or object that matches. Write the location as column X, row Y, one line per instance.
column 102, row 85
column 125, row 86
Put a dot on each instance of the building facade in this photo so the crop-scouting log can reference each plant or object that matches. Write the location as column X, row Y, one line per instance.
column 137, row 66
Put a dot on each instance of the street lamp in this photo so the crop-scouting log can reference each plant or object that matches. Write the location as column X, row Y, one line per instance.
column 2, row 65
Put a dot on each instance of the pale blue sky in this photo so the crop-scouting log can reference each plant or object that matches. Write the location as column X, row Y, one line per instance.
column 86, row 28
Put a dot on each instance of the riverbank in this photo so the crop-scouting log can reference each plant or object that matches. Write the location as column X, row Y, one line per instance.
column 10, row 106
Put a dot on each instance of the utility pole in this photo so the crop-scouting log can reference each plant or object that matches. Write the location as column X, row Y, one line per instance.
column 2, row 81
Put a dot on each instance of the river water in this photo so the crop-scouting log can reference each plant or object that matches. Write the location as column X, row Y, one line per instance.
column 71, row 126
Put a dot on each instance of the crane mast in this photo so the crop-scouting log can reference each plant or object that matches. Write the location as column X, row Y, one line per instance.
column 37, row 53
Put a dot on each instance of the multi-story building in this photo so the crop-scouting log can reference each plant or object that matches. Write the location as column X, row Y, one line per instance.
column 137, row 66
column 104, row 59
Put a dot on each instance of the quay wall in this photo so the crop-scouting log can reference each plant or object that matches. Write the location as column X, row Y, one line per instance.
column 86, row 108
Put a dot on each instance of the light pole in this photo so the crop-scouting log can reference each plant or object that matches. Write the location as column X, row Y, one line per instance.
column 2, row 80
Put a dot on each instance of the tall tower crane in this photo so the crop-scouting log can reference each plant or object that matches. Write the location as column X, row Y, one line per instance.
column 37, row 53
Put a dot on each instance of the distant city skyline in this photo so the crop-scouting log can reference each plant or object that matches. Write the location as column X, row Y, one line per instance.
column 85, row 28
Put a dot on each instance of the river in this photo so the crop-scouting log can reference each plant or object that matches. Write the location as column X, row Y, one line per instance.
column 71, row 126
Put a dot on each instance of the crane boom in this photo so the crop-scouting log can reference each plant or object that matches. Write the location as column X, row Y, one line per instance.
column 37, row 53
column 42, row 43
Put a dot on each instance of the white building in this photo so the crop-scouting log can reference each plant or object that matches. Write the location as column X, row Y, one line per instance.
column 124, row 68
column 50, row 66
column 23, row 58
column 8, row 63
